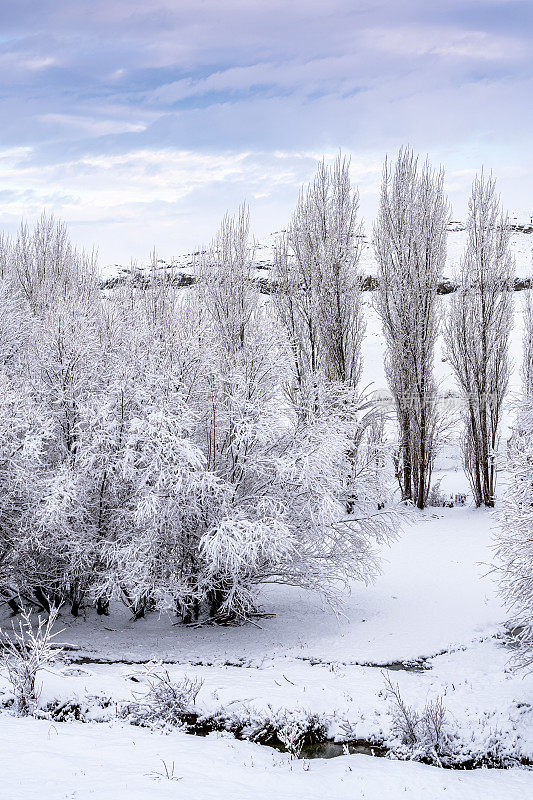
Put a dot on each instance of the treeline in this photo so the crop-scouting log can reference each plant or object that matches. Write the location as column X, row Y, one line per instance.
column 174, row 275
column 175, row 448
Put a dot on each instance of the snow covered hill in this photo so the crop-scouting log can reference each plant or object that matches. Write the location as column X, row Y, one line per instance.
column 521, row 246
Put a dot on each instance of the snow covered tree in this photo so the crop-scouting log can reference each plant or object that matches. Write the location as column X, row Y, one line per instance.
column 274, row 527
column 410, row 248
column 527, row 361
column 25, row 434
column 225, row 273
column 477, row 334
column 24, row 431
column 69, row 380
column 317, row 298
column 335, row 235
column 295, row 303
column 514, row 552
column 46, row 265
column 6, row 256
column 239, row 373
column 52, row 304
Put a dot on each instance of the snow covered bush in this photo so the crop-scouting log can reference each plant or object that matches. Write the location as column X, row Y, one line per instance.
column 291, row 737
column 290, row 729
column 286, row 485
column 27, row 650
column 437, row 498
column 165, row 702
column 239, row 553
column 419, row 735
column 167, row 496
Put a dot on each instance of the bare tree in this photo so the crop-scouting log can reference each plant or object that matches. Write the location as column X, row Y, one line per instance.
column 477, row 333
column 410, row 248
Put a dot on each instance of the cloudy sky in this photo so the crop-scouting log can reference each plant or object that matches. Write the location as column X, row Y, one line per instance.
column 140, row 122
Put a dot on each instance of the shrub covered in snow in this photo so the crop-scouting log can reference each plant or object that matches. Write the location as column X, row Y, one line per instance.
column 28, row 649
column 166, row 702
column 419, row 735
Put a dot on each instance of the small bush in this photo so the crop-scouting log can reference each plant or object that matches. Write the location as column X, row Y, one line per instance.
column 26, row 651
column 166, row 702
column 290, row 730
column 291, row 735
column 437, row 499
column 421, row 736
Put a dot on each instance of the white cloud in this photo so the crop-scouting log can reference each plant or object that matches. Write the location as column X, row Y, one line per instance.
column 92, row 126
column 39, row 63
column 23, row 61
column 416, row 40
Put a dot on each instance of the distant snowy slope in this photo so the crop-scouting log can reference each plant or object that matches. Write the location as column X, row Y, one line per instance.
column 521, row 244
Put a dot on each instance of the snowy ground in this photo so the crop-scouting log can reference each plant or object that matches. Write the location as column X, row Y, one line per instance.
column 434, row 600
column 76, row 761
